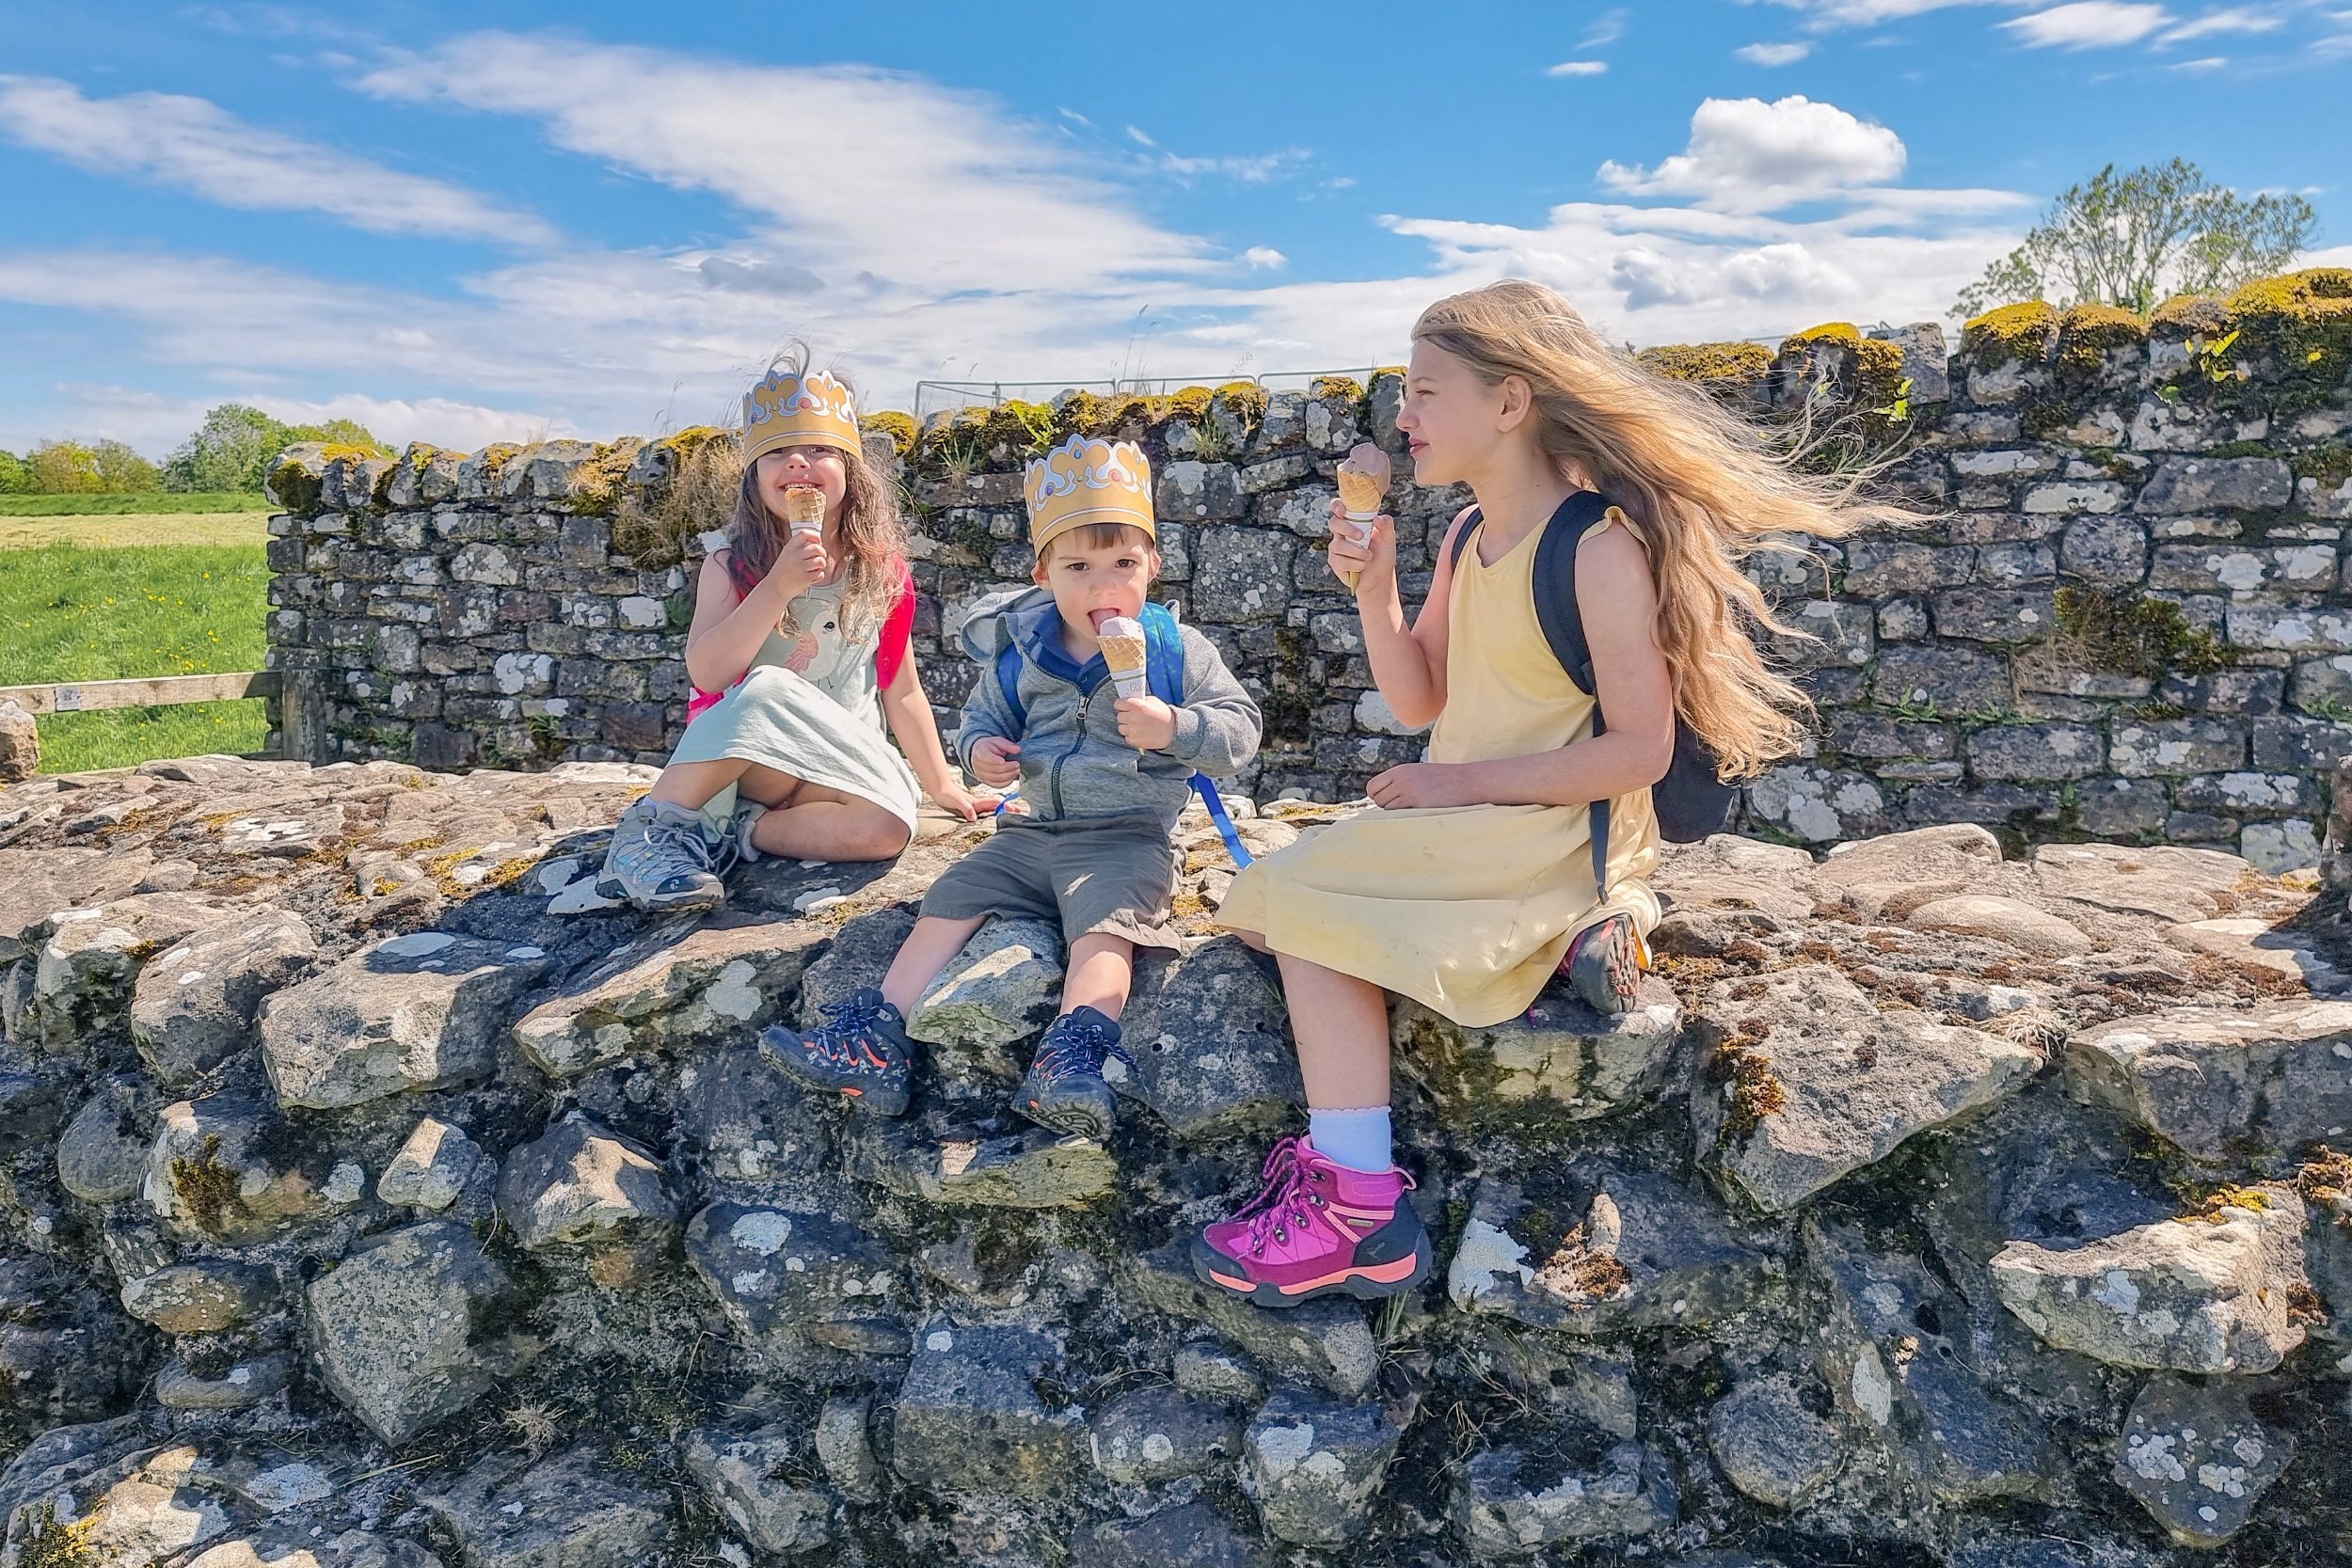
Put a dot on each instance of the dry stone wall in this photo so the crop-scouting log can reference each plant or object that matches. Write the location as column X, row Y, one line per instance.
column 2124, row 614
column 370, row 1197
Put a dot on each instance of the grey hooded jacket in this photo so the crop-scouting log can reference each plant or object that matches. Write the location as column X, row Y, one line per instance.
column 1073, row 761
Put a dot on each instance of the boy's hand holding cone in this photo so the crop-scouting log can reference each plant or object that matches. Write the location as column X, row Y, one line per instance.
column 1145, row 722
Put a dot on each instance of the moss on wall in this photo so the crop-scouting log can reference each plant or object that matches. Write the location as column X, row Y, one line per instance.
column 902, row 429
column 2022, row 331
column 1718, row 367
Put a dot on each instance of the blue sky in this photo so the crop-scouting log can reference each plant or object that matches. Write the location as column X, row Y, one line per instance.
column 467, row 221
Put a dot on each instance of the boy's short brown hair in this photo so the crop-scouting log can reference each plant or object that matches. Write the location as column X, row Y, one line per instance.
column 1098, row 536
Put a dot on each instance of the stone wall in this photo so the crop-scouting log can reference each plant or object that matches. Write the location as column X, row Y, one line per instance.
column 369, row 1198
column 2125, row 616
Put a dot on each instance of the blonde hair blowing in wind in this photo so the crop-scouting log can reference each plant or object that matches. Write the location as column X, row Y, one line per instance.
column 1704, row 487
column 873, row 535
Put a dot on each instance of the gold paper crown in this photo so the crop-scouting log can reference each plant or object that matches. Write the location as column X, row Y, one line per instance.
column 788, row 410
column 1088, row 480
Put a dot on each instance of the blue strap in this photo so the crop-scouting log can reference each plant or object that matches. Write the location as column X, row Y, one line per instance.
column 1009, row 682
column 1163, row 671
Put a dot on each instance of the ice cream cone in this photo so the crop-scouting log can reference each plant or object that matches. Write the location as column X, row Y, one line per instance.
column 1363, row 479
column 805, row 509
column 1122, row 641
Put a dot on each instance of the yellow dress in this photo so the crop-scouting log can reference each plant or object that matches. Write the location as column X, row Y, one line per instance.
column 1468, row 909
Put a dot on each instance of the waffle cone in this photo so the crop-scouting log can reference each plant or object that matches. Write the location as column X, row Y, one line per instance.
column 804, row 506
column 1123, row 655
column 1359, row 493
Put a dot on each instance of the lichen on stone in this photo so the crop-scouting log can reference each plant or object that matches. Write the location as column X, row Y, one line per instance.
column 206, row 1188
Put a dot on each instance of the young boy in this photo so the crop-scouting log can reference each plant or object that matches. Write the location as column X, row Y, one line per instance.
column 1103, row 779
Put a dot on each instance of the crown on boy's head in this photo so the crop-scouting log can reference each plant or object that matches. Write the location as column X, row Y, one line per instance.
column 788, row 410
column 1089, row 480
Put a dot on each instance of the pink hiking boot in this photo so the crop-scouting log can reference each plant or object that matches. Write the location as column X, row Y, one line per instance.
column 1316, row 1228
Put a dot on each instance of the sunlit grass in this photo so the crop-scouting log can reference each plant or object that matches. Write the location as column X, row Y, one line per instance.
column 71, row 612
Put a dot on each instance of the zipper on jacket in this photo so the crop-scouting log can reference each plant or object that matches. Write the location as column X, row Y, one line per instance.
column 1086, row 712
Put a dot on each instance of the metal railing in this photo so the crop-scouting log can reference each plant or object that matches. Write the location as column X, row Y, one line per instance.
column 934, row 397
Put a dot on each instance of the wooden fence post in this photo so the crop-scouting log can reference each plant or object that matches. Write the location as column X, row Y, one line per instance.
column 302, row 717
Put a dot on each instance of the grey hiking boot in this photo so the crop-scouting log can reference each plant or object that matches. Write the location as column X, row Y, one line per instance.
column 660, row 859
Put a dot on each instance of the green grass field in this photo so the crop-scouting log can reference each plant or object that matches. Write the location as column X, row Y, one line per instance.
column 89, row 611
column 146, row 501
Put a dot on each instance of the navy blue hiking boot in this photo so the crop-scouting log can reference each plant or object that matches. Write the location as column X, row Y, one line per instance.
column 860, row 1052
column 1065, row 1089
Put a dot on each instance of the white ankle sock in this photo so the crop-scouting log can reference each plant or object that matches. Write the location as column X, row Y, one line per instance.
column 1358, row 1139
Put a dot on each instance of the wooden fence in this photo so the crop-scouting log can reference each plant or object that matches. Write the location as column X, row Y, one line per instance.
column 299, row 701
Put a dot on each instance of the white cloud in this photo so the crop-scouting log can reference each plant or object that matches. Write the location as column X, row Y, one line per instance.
column 2211, row 62
column 1606, row 29
column 2088, row 25
column 1577, row 67
column 1264, row 256
column 1824, row 16
column 856, row 171
column 1773, row 53
column 2234, row 19
column 443, row 421
column 194, row 144
column 1254, row 169
column 1751, row 155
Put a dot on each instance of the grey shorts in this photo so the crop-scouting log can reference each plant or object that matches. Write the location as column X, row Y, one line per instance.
column 1110, row 873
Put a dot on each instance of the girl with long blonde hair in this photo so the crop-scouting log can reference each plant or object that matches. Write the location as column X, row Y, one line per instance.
column 1474, row 881
column 800, row 655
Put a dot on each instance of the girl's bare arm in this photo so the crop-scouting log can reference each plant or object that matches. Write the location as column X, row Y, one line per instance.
column 726, row 631
column 908, row 710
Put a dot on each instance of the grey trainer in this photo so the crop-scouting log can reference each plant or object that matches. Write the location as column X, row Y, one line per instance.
column 661, row 859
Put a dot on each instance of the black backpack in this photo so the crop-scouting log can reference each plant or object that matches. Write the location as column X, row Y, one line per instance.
column 1691, row 801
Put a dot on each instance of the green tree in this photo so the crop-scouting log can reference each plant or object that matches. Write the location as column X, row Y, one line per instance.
column 228, row 451
column 232, row 447
column 2133, row 239
column 15, row 477
column 64, row 469
column 121, row 470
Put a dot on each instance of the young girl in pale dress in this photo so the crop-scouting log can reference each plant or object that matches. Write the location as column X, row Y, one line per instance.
column 799, row 655
column 1472, row 884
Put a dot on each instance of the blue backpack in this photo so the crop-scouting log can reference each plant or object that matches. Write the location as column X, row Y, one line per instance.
column 1164, row 673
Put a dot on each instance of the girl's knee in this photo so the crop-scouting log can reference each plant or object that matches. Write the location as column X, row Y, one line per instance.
column 875, row 834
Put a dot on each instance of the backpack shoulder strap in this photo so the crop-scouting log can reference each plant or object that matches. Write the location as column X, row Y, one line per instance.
column 1163, row 654
column 1563, row 625
column 1009, row 682
column 1462, row 537
column 1556, row 610
column 1164, row 670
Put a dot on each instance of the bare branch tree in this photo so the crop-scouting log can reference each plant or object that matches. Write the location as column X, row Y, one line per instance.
column 2132, row 239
